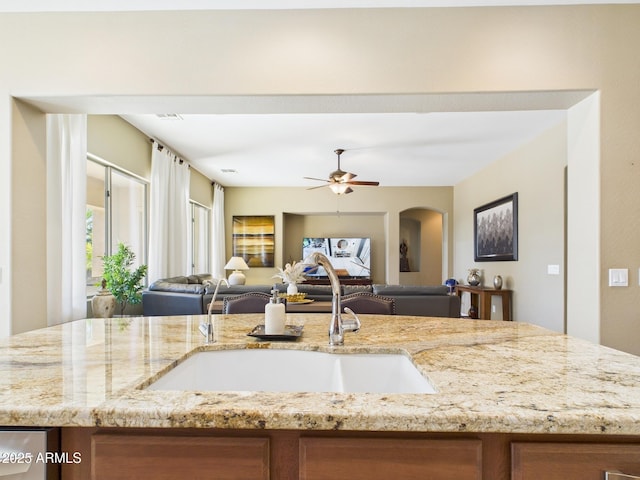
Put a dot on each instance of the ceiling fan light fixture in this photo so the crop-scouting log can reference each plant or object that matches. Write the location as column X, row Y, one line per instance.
column 340, row 188
column 340, row 182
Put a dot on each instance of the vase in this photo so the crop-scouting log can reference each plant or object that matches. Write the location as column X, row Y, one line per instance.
column 103, row 303
column 292, row 289
column 473, row 278
column 497, row 282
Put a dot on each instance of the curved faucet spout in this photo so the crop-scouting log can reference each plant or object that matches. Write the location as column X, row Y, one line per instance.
column 207, row 328
column 337, row 327
column 318, row 258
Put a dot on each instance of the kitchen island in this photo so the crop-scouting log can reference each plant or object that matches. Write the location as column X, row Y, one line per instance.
column 505, row 390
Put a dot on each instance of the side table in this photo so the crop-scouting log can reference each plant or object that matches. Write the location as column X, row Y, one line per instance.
column 481, row 299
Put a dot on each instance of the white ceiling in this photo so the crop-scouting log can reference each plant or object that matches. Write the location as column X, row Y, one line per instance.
column 398, row 140
column 396, row 149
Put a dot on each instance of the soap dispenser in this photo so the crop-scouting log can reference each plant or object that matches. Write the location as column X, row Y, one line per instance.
column 274, row 315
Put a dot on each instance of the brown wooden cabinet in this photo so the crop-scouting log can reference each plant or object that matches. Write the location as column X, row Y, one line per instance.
column 573, row 461
column 168, row 457
column 167, row 454
column 382, row 459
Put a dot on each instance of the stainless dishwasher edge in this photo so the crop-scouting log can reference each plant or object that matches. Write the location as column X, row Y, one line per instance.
column 29, row 453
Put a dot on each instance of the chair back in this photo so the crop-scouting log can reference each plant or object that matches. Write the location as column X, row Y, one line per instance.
column 367, row 302
column 250, row 302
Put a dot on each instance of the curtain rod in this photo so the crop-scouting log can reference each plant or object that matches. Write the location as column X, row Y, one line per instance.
column 160, row 147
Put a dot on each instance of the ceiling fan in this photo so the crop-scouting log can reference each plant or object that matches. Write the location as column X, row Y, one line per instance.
column 340, row 182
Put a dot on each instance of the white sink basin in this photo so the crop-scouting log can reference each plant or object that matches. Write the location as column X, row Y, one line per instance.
column 271, row 370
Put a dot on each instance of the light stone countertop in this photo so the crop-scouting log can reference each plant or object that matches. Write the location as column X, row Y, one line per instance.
column 491, row 376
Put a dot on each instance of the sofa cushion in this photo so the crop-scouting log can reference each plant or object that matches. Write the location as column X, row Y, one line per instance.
column 381, row 289
column 180, row 279
column 199, row 278
column 315, row 291
column 225, row 290
column 176, row 287
column 349, row 289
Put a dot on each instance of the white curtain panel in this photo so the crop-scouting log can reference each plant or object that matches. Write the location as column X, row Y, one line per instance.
column 218, row 255
column 66, row 217
column 169, row 231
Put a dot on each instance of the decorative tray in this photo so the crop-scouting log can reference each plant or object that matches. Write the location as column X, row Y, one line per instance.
column 301, row 302
column 291, row 332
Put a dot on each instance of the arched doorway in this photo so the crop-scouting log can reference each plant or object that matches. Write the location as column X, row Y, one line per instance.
column 421, row 232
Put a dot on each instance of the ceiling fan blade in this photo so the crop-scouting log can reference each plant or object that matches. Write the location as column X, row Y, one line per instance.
column 318, row 179
column 363, row 183
column 346, row 178
column 319, row 186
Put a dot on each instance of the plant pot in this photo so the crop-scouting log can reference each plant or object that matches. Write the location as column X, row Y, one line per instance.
column 103, row 303
column 292, row 289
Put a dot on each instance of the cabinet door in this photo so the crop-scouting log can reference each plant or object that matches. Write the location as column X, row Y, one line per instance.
column 384, row 459
column 124, row 457
column 572, row 461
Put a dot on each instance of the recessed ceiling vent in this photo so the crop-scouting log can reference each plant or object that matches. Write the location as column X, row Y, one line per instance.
column 168, row 116
column 228, row 170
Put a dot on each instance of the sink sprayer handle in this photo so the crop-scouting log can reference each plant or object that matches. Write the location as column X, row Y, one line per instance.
column 352, row 324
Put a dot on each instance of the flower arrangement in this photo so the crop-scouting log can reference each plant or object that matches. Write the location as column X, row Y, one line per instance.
column 292, row 273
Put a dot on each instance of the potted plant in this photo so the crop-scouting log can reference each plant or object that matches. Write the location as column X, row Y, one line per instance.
column 124, row 283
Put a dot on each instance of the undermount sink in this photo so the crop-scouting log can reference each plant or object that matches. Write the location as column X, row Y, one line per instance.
column 272, row 370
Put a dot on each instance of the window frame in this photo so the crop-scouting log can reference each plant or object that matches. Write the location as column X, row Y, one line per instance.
column 193, row 205
column 109, row 169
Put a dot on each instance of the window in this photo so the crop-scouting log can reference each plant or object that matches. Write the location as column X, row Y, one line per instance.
column 116, row 212
column 200, row 237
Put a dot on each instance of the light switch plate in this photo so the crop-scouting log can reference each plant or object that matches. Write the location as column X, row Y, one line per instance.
column 618, row 277
column 553, row 269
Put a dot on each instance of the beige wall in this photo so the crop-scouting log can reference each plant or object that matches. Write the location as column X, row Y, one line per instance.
column 29, row 221
column 117, row 141
column 373, row 212
column 537, row 172
column 341, row 52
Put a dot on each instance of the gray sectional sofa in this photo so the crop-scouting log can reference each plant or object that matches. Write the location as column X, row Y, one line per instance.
column 191, row 295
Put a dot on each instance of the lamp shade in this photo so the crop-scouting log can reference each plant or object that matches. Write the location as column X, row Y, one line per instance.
column 236, row 264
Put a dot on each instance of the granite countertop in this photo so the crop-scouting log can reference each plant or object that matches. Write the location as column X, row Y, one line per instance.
column 490, row 376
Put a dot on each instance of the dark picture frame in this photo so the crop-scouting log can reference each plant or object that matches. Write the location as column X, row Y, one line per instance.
column 254, row 239
column 495, row 230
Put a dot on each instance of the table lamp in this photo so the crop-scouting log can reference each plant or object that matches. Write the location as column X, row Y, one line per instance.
column 236, row 264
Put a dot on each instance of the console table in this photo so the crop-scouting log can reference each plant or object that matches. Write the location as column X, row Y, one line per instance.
column 481, row 300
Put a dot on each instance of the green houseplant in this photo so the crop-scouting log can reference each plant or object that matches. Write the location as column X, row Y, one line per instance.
column 124, row 283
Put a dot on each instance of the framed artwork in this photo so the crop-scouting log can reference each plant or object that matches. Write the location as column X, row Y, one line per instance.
column 495, row 229
column 254, row 239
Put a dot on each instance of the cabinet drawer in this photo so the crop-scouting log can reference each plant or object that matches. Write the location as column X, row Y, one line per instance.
column 124, row 457
column 572, row 461
column 384, row 459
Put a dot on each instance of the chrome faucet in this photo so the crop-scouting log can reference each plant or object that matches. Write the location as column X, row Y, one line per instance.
column 207, row 328
column 338, row 326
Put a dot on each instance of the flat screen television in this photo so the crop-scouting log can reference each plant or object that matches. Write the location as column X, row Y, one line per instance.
column 349, row 256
